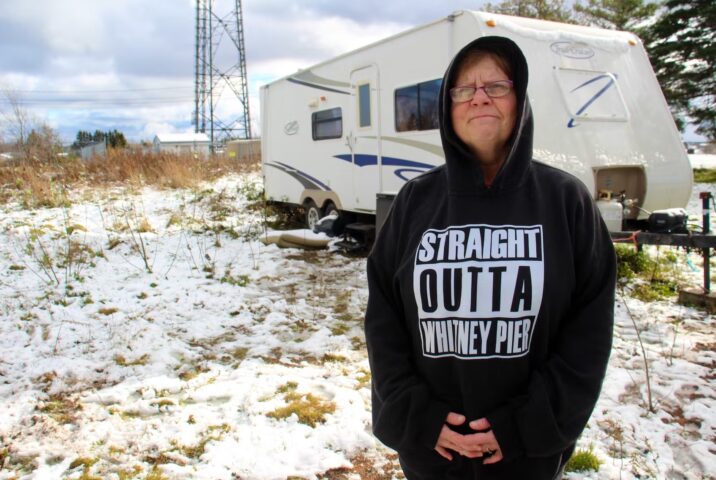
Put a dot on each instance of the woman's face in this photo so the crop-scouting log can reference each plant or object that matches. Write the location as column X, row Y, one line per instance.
column 483, row 123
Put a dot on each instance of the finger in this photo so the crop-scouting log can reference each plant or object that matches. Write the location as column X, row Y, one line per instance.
column 455, row 419
column 480, row 424
column 496, row 457
column 444, row 453
column 469, row 450
column 449, row 439
column 481, row 439
column 472, row 453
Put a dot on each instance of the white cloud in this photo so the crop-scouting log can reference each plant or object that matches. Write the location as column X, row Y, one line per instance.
column 152, row 128
column 88, row 45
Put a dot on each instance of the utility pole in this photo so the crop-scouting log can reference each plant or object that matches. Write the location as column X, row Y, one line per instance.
column 221, row 97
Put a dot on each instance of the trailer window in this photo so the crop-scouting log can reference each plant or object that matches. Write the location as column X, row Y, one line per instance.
column 416, row 106
column 364, row 105
column 327, row 124
column 591, row 95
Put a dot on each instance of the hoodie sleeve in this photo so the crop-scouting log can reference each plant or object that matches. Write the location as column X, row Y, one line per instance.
column 404, row 411
column 562, row 393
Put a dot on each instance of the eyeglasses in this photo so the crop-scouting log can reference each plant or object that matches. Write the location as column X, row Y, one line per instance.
column 493, row 90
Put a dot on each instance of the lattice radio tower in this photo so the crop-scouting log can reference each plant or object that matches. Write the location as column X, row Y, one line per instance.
column 220, row 73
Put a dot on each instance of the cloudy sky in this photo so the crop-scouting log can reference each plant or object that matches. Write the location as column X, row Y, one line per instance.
column 129, row 64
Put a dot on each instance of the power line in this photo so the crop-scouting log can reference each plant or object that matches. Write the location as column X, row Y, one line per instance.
column 120, row 90
column 84, row 102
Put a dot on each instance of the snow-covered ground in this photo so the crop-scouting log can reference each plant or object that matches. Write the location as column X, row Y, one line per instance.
column 703, row 160
column 150, row 331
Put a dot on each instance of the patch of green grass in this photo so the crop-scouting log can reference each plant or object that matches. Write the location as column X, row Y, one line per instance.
column 253, row 192
column 275, row 355
column 239, row 353
column 287, row 387
column 309, row 409
column 124, row 414
column 363, row 378
column 122, row 361
column 144, row 226
column 70, row 229
column 193, row 372
column 174, row 219
column 128, row 474
column 223, row 428
column 4, row 454
column 332, row 357
column 583, row 460
column 114, row 451
column 238, row 281
column 645, row 277
column 213, row 432
column 85, row 296
column 705, row 175
column 339, row 329
column 107, row 310
column 631, row 263
column 156, row 474
column 86, row 464
column 235, row 356
column 162, row 402
column 16, row 267
column 83, row 462
column 22, row 463
column 60, row 408
column 655, row 290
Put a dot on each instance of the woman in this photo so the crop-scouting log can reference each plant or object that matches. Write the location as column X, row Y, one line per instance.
column 490, row 313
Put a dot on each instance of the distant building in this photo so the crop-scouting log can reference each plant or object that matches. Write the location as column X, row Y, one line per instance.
column 182, row 143
column 248, row 151
column 94, row 149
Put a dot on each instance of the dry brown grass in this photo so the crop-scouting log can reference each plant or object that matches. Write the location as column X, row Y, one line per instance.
column 38, row 183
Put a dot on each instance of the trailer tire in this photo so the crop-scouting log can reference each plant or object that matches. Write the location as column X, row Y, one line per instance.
column 330, row 209
column 313, row 213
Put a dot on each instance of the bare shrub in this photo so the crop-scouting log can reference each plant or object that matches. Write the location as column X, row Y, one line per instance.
column 35, row 181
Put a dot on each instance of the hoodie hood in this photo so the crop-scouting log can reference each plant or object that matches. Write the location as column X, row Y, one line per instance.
column 464, row 172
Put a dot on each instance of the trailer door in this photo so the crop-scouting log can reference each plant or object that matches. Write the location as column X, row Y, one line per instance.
column 364, row 138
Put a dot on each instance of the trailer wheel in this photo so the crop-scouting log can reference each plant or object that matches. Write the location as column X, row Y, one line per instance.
column 330, row 209
column 313, row 213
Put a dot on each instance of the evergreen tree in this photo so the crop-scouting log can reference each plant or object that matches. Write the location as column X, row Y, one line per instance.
column 98, row 136
column 83, row 138
column 682, row 48
column 543, row 9
column 115, row 139
column 615, row 14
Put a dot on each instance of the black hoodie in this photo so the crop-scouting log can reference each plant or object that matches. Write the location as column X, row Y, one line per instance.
column 491, row 302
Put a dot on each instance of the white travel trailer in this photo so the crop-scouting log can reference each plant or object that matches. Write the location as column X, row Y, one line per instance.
column 355, row 128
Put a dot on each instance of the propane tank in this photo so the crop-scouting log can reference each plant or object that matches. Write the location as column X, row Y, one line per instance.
column 613, row 214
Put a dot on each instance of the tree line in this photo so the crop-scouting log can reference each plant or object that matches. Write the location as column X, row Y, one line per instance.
column 113, row 139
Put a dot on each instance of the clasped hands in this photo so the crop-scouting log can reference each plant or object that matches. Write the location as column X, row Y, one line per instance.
column 482, row 443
